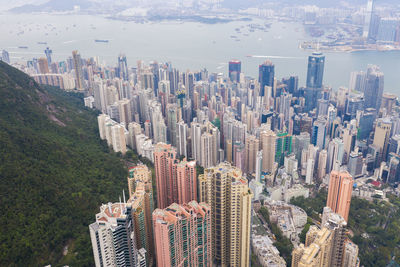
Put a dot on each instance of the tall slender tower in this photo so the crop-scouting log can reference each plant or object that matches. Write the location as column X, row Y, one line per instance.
column 123, row 67
column 315, row 76
column 339, row 194
column 235, row 68
column 76, row 57
column 226, row 191
column 268, row 144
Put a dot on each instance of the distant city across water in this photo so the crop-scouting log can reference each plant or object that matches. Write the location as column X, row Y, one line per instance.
column 187, row 45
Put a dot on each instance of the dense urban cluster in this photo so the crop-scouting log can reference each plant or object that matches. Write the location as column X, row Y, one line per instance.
column 261, row 142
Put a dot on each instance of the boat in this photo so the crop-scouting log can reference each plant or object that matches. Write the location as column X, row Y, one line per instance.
column 42, row 43
column 22, row 47
column 101, row 41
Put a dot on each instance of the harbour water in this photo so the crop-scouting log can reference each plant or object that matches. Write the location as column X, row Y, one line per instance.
column 187, row 45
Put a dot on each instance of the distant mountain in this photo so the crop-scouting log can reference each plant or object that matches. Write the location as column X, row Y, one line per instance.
column 239, row 4
column 53, row 5
column 54, row 174
column 68, row 5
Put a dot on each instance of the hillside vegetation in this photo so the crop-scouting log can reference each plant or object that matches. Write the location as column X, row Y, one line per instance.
column 54, row 174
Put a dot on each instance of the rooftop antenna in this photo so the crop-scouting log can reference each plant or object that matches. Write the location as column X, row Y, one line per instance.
column 120, row 205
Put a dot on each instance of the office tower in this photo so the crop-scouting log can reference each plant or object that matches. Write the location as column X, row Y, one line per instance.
column 183, row 235
column 368, row 18
column 367, row 119
column 43, row 65
column 374, row 88
column 315, row 75
column 355, row 164
column 283, row 147
column 196, row 140
column 339, row 193
column 358, row 80
column 355, row 103
column 225, row 189
column 268, row 145
column 48, row 53
column 335, row 154
column 176, row 181
column 235, row 69
column 182, row 138
column 123, row 71
column 387, row 30
column 381, row 137
column 315, row 72
column 112, row 236
column 310, row 171
column 252, row 146
column 319, row 133
column 394, row 144
column 266, row 76
column 77, row 61
column 141, row 201
column 292, row 84
column 118, row 138
column 5, row 56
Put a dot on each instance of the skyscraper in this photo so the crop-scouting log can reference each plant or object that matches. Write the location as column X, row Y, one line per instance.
column 252, row 146
column 183, row 235
column 374, row 88
column 77, row 61
column 226, row 191
column 123, row 67
column 141, row 201
column 48, row 53
column 339, row 193
column 176, row 181
column 368, row 18
column 268, row 144
column 266, row 76
column 315, row 75
column 112, row 235
column 235, row 69
column 315, row 72
column 382, row 136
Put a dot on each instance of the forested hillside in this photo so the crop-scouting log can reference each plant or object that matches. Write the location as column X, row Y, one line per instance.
column 54, row 173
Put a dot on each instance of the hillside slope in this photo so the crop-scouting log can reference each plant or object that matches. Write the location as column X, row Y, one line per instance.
column 54, row 173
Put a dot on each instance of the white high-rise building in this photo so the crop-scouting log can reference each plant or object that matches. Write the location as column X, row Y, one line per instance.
column 118, row 138
column 113, row 239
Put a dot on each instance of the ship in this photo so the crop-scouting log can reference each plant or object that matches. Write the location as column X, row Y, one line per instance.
column 42, row 43
column 22, row 47
column 101, row 41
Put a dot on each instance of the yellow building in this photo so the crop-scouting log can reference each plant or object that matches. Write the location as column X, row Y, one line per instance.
column 226, row 190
